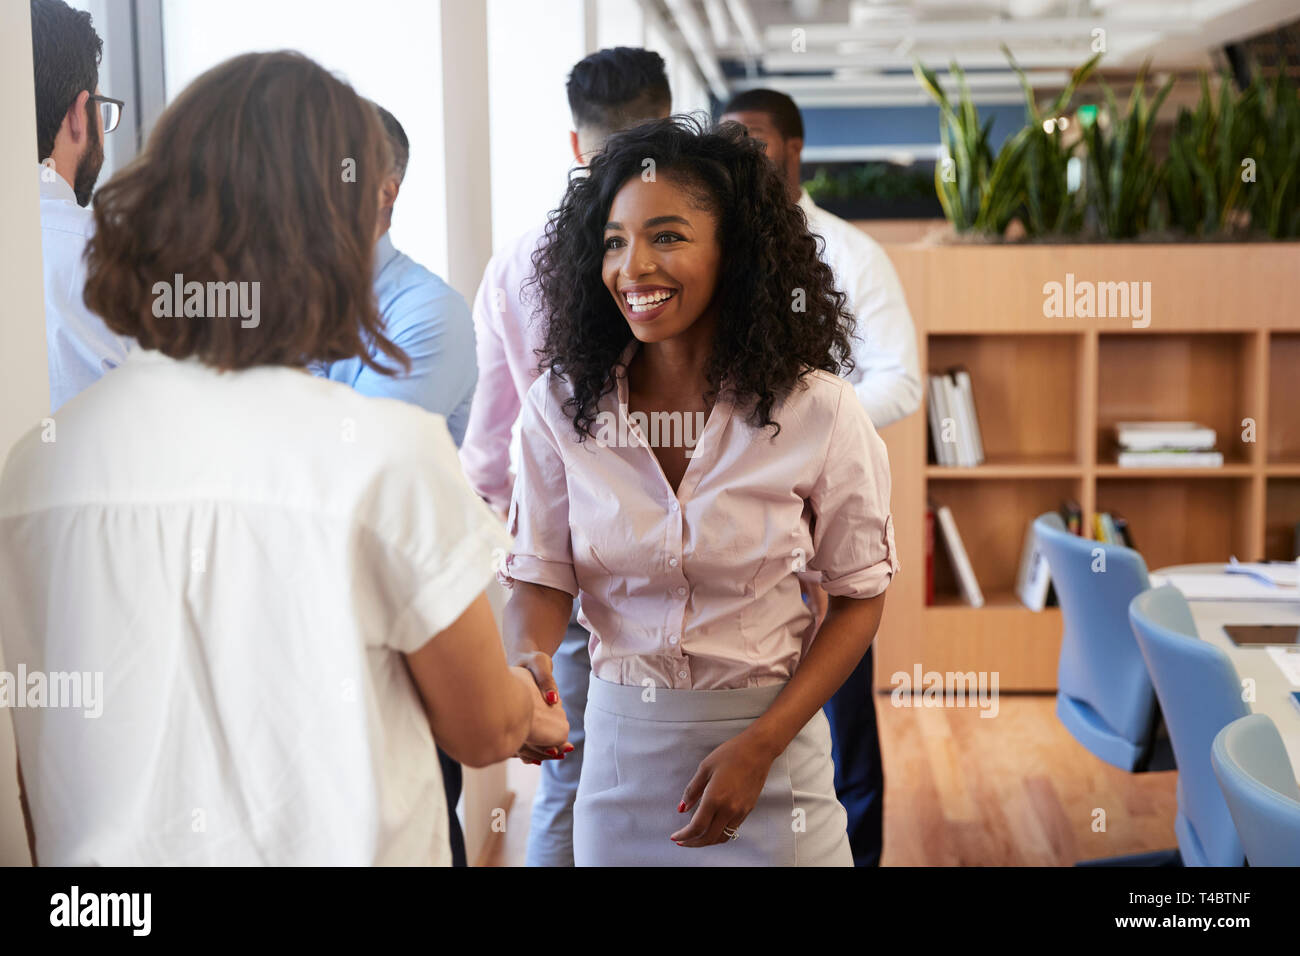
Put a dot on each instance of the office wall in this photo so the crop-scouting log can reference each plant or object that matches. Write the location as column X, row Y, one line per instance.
column 24, row 387
column 389, row 50
column 531, row 48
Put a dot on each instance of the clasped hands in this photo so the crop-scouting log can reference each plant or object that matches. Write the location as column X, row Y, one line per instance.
column 724, row 790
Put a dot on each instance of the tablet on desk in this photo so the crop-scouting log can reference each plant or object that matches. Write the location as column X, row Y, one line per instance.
column 1254, row 635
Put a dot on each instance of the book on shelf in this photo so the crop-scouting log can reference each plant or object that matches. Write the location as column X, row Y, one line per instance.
column 954, row 424
column 1072, row 515
column 1034, row 579
column 1111, row 529
column 1169, row 458
column 1166, row 445
column 970, row 588
column 929, row 556
column 937, row 409
column 1156, row 436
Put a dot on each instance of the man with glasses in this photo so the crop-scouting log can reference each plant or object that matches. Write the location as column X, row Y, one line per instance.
column 71, row 120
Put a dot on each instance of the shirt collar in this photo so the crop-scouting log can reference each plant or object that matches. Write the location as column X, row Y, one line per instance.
column 385, row 252
column 54, row 186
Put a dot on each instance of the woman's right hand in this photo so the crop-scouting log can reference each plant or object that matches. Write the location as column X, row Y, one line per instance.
column 548, row 734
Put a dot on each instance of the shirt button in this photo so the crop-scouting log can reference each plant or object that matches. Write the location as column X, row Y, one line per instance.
column 673, row 639
column 672, row 562
column 681, row 590
column 682, row 674
column 673, row 505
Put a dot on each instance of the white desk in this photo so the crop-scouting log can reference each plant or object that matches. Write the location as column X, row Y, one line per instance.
column 1272, row 689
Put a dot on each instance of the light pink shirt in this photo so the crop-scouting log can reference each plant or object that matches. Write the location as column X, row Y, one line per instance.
column 506, row 337
column 700, row 590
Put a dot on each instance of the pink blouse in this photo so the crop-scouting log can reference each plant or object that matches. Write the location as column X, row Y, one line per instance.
column 700, row 590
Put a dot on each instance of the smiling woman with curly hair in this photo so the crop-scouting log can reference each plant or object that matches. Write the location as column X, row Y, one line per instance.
column 688, row 459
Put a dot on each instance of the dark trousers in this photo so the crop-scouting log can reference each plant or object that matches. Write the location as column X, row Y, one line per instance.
column 451, row 783
column 859, row 776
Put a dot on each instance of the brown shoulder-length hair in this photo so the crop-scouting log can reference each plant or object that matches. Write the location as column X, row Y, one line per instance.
column 266, row 170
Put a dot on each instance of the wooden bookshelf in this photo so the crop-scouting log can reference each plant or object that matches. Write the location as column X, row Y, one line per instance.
column 1222, row 348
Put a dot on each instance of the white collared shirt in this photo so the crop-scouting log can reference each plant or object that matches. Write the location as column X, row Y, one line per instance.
column 244, row 558
column 887, row 376
column 81, row 347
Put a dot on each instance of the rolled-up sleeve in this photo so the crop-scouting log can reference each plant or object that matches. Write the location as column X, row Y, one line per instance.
column 853, row 533
column 539, row 507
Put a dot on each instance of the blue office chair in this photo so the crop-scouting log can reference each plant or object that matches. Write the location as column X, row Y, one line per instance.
column 1104, row 696
column 1259, row 787
column 1200, row 694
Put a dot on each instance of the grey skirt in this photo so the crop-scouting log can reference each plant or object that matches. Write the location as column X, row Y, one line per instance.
column 643, row 747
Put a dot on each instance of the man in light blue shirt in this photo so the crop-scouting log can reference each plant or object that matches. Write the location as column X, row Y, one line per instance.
column 429, row 321
column 426, row 318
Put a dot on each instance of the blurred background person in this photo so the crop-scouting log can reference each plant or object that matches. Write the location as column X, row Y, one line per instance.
column 422, row 315
column 72, row 118
column 279, row 580
column 430, row 322
column 886, row 376
column 608, row 91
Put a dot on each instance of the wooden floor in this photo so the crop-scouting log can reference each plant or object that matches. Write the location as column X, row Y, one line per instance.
column 966, row 790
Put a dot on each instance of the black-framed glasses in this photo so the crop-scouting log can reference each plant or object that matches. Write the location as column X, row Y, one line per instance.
column 110, row 110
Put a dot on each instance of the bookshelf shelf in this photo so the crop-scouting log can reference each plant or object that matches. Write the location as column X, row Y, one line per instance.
column 1228, row 470
column 1006, row 470
column 1222, row 348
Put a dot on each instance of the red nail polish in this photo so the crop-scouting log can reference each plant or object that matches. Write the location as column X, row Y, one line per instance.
column 568, row 748
column 681, row 807
column 552, row 697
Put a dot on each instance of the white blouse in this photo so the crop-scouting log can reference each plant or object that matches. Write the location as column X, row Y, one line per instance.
column 699, row 590
column 240, row 560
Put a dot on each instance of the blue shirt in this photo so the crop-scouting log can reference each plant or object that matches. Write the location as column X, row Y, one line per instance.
column 429, row 321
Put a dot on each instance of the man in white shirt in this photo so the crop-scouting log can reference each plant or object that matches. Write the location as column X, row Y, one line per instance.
column 70, row 128
column 887, row 380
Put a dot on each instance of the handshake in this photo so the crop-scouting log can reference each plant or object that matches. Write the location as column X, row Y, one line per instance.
column 548, row 734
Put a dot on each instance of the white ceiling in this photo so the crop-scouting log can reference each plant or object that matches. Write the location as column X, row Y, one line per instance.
column 860, row 45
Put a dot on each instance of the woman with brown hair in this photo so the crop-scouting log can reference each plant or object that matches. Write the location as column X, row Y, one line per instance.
column 268, row 586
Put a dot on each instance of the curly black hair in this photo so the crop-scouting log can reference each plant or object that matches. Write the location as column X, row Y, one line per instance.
column 780, row 315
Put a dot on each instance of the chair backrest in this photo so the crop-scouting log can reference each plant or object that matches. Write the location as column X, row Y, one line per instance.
column 1199, row 694
column 1100, row 662
column 1259, row 786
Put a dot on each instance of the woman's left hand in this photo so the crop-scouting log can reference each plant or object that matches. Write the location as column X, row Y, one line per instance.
column 726, row 786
